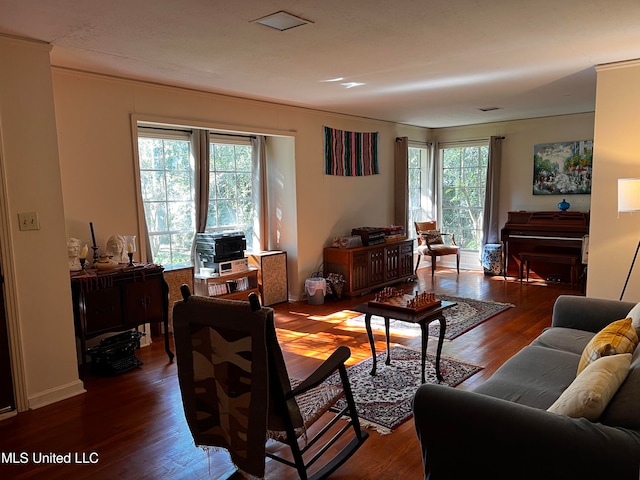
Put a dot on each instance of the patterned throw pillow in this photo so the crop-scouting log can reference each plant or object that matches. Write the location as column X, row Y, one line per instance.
column 617, row 337
column 431, row 237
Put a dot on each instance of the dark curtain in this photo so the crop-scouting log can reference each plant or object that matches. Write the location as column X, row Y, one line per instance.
column 401, row 204
column 200, row 146
column 490, row 225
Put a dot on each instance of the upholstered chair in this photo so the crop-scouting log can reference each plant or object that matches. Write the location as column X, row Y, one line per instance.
column 434, row 243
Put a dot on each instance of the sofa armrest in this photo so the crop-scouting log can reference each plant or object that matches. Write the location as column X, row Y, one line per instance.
column 471, row 435
column 586, row 313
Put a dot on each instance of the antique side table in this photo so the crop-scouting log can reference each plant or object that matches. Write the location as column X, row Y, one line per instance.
column 422, row 318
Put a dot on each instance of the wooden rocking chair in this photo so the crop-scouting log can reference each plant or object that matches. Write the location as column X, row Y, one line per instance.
column 236, row 391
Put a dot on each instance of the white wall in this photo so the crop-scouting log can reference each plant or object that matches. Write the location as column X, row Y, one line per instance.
column 516, row 179
column 317, row 207
column 282, row 202
column 37, row 288
column 614, row 236
column 87, row 174
column 96, row 158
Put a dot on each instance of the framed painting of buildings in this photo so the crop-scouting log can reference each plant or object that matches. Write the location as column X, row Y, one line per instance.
column 562, row 168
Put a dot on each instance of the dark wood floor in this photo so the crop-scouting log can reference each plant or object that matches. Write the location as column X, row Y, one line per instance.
column 133, row 424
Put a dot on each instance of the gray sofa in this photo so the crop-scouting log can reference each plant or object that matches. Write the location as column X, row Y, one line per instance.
column 501, row 430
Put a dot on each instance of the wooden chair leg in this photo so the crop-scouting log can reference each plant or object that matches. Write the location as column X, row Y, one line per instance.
column 433, row 265
column 417, row 263
column 458, row 262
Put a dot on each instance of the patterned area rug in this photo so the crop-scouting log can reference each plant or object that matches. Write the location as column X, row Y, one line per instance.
column 384, row 400
column 467, row 314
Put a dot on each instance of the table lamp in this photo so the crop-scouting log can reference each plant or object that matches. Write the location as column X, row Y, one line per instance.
column 629, row 201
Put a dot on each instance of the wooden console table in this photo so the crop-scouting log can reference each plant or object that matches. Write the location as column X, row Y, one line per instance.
column 366, row 268
column 118, row 300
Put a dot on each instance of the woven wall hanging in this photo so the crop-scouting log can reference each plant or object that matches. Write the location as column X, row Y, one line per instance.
column 350, row 153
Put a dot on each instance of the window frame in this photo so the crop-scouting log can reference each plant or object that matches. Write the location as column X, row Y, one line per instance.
column 481, row 176
column 424, row 210
column 235, row 140
column 160, row 133
column 146, row 129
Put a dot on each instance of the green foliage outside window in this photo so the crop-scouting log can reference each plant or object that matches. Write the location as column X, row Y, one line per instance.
column 464, row 175
column 168, row 194
column 230, row 188
column 166, row 179
column 416, row 173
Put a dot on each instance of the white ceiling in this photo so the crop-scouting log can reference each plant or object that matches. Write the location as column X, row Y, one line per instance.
column 431, row 63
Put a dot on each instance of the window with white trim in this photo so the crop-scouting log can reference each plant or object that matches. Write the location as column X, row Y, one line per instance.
column 167, row 187
column 167, row 184
column 420, row 199
column 230, row 185
column 464, row 177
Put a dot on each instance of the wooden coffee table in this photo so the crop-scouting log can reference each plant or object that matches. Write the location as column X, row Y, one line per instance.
column 422, row 318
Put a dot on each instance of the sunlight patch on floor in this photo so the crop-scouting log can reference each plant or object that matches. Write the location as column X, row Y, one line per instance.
column 396, row 327
column 336, row 317
column 314, row 345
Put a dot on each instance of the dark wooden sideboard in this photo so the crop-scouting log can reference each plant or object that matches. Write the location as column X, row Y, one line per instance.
column 118, row 300
column 366, row 268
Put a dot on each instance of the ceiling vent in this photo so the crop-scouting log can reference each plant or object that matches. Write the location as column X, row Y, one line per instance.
column 281, row 21
column 489, row 109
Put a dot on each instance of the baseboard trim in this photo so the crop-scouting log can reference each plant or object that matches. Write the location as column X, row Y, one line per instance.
column 57, row 394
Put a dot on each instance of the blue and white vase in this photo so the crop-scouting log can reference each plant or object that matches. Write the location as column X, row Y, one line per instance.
column 564, row 205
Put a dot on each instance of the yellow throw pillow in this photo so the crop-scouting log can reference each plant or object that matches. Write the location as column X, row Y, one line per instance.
column 590, row 393
column 617, row 337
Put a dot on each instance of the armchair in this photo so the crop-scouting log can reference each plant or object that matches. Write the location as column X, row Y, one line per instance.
column 236, row 391
column 431, row 243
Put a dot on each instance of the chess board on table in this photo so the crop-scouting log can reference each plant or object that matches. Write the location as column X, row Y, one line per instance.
column 396, row 299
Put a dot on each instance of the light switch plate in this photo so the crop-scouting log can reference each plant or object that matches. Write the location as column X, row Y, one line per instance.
column 29, row 221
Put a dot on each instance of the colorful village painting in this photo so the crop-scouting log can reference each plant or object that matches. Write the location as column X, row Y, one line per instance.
column 562, row 168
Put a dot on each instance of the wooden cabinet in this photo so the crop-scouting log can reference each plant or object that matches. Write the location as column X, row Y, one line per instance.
column 119, row 300
column 235, row 286
column 367, row 268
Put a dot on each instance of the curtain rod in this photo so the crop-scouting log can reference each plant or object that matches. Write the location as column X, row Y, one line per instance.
column 231, row 134
column 471, row 140
column 189, row 130
column 164, row 129
column 421, row 142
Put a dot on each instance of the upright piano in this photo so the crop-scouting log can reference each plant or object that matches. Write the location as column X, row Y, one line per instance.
column 544, row 232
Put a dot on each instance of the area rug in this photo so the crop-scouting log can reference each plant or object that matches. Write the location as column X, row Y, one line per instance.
column 461, row 318
column 384, row 401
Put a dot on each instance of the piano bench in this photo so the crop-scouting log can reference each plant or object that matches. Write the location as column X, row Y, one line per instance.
column 565, row 258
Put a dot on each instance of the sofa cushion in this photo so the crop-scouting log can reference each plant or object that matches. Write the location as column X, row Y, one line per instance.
column 566, row 339
column 624, row 408
column 535, row 376
column 617, row 337
column 590, row 393
column 634, row 315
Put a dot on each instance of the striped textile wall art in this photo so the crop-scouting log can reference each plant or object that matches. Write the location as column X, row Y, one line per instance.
column 350, row 153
